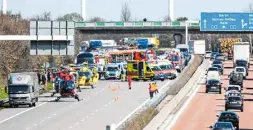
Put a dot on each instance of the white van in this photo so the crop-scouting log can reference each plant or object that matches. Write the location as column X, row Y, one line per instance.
column 213, row 75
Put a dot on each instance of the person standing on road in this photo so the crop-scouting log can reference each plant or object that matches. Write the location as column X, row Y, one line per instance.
column 156, row 88
column 152, row 89
column 129, row 80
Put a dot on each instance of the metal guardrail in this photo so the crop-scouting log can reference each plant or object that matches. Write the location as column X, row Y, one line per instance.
column 135, row 24
column 148, row 103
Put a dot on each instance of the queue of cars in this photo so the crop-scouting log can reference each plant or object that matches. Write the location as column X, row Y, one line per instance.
column 227, row 120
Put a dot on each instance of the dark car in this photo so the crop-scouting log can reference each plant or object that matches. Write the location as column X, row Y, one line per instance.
column 213, row 55
column 213, row 85
column 220, row 57
column 217, row 62
column 236, row 78
column 220, row 67
column 243, row 63
column 234, row 102
column 222, row 126
column 229, row 116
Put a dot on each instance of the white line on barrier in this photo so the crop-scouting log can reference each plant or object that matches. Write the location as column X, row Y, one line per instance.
column 135, row 110
column 186, row 103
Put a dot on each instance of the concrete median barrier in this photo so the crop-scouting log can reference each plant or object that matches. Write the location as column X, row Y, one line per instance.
column 148, row 110
column 166, row 115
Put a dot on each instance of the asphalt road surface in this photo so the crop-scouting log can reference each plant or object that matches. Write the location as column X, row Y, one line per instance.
column 201, row 112
column 108, row 103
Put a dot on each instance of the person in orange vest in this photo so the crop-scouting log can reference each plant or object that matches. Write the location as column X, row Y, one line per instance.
column 152, row 89
column 156, row 91
column 129, row 80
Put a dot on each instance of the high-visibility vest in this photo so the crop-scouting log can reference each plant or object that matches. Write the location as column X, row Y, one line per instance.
column 153, row 88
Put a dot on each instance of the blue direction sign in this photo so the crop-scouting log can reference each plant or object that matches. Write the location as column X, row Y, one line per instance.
column 222, row 21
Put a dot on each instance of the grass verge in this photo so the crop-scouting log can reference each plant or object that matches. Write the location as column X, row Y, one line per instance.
column 50, row 86
column 141, row 120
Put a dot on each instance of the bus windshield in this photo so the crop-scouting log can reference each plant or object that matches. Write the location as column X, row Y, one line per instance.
column 85, row 57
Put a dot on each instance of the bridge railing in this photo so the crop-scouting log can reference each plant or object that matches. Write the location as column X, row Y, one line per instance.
column 133, row 24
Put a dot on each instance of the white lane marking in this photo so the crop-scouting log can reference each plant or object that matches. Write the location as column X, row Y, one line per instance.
column 82, row 120
column 105, row 105
column 41, row 121
column 92, row 113
column 201, row 79
column 34, row 124
column 77, row 123
column 136, row 109
column 70, row 127
column 49, row 117
column 87, row 116
column 54, row 114
column 27, row 128
column 125, row 92
column 2, row 121
column 97, row 110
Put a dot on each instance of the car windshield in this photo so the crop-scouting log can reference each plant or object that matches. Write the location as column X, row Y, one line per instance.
column 212, row 69
column 18, row 89
column 233, row 88
column 241, row 63
column 213, row 82
column 165, row 67
column 218, row 66
column 112, row 68
column 183, row 50
column 223, row 125
column 239, row 69
column 234, row 98
column 156, row 68
column 219, row 57
column 227, row 117
column 217, row 62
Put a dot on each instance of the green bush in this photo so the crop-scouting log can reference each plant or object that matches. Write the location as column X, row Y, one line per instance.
column 2, row 93
column 49, row 86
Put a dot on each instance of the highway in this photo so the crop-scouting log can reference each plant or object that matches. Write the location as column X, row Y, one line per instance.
column 201, row 112
column 108, row 103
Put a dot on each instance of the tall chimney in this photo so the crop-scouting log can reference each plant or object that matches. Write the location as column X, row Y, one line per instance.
column 4, row 8
column 171, row 10
column 83, row 9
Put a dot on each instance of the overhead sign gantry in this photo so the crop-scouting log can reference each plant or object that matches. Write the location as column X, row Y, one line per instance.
column 226, row 21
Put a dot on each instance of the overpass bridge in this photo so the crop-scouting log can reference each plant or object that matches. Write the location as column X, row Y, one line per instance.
column 154, row 27
column 136, row 27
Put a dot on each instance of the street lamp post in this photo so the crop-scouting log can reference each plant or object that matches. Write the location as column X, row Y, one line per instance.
column 186, row 29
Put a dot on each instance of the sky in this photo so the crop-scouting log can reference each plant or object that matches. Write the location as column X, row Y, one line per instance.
column 153, row 10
